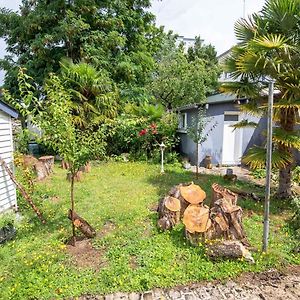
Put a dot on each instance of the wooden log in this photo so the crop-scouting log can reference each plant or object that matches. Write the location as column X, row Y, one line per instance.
column 168, row 212
column 82, row 225
column 219, row 192
column 229, row 250
column 245, row 194
column 22, row 190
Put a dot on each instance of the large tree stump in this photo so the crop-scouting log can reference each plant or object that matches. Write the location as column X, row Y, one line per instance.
column 82, row 225
column 228, row 249
column 197, row 222
column 168, row 212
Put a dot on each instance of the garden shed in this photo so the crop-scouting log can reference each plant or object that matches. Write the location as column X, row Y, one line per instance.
column 8, row 197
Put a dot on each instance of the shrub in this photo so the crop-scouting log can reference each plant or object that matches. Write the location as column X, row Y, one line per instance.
column 140, row 137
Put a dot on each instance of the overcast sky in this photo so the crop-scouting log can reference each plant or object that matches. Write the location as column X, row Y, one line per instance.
column 213, row 20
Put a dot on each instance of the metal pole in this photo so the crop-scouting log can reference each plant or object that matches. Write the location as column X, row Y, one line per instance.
column 269, row 167
column 244, row 9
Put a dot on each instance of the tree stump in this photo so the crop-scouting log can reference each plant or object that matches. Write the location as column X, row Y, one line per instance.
column 197, row 222
column 77, row 177
column 65, row 165
column 168, row 212
column 48, row 161
column 82, row 225
column 87, row 168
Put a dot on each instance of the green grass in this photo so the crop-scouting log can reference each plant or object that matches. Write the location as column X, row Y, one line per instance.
column 36, row 266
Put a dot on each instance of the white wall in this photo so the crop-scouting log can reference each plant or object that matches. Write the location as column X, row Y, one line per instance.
column 8, row 197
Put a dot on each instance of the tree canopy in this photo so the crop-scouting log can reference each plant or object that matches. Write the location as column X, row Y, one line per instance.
column 117, row 36
column 183, row 77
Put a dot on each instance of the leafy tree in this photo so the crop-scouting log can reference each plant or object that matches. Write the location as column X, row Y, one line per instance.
column 178, row 79
column 269, row 48
column 118, row 36
column 59, row 131
column 199, row 131
column 93, row 94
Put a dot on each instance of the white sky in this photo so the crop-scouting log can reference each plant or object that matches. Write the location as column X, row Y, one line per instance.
column 213, row 20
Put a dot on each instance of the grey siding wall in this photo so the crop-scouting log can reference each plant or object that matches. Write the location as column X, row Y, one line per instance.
column 214, row 144
column 7, row 188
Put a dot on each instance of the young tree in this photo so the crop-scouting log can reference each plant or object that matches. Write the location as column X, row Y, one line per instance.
column 199, row 130
column 55, row 119
column 269, row 48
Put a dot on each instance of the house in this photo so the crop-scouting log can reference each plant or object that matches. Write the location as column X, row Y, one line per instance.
column 224, row 144
column 8, row 197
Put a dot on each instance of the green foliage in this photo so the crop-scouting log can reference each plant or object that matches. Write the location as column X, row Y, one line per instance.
column 295, row 220
column 22, row 139
column 7, row 218
column 140, row 136
column 178, row 79
column 296, row 175
column 116, row 36
column 93, row 94
column 133, row 255
column 256, row 158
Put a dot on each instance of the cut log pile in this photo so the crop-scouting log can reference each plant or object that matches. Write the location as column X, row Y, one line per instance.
column 220, row 223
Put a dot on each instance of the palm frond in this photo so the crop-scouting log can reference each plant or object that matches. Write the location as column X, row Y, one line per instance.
column 287, row 139
column 244, row 124
column 256, row 158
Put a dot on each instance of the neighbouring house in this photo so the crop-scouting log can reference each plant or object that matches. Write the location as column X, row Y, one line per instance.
column 224, row 144
column 8, row 197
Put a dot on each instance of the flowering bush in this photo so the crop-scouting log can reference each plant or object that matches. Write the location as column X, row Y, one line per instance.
column 140, row 137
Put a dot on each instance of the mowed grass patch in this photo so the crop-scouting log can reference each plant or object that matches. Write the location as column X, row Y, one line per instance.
column 118, row 200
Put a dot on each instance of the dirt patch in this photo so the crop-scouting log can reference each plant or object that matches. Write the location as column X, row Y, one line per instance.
column 107, row 228
column 84, row 255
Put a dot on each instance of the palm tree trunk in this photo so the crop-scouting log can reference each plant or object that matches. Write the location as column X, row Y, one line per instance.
column 285, row 182
column 287, row 123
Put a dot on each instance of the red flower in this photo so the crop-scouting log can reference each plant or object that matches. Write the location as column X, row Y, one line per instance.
column 153, row 126
column 154, row 131
column 143, row 132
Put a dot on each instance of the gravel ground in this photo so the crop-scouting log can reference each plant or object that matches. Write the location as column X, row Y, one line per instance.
column 264, row 286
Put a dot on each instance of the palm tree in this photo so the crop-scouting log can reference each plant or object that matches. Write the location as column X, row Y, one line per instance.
column 269, row 48
column 93, row 94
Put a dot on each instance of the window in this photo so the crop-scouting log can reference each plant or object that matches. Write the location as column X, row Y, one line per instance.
column 183, row 121
column 231, row 118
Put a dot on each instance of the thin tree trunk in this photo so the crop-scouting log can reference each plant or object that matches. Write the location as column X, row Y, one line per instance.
column 73, row 208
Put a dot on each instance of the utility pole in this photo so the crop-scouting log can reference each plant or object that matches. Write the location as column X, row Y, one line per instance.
column 244, row 9
column 269, row 167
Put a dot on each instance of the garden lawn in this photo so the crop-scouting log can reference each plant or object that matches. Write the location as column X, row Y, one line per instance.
column 118, row 200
